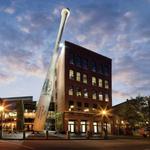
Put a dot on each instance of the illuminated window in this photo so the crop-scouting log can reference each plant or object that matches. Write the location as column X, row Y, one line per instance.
column 86, row 107
column 100, row 96
column 94, row 95
column 78, row 76
column 83, row 126
column 85, row 92
column 71, row 74
column 93, row 80
column 70, row 92
column 84, row 78
column 106, row 84
column 71, row 126
column 106, row 97
column 78, row 92
column 26, row 110
column 95, row 127
column 100, row 83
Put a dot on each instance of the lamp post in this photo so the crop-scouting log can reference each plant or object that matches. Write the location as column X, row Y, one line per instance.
column 1, row 121
column 104, row 113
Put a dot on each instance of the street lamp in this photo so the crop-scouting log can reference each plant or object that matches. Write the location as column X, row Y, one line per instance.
column 105, row 113
column 1, row 121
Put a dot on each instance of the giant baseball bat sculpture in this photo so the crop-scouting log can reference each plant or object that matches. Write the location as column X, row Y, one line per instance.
column 47, row 90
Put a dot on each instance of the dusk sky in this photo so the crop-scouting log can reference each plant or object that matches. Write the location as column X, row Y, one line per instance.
column 119, row 29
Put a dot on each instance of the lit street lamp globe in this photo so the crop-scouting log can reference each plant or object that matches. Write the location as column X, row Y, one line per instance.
column 1, row 108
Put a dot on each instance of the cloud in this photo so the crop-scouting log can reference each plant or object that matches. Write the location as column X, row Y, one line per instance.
column 25, row 29
column 9, row 10
column 6, row 78
column 117, row 30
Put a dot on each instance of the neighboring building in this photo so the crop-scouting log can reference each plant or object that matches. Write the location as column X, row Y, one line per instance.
column 19, row 113
column 83, row 86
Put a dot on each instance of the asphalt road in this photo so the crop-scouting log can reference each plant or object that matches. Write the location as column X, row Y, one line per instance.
column 75, row 145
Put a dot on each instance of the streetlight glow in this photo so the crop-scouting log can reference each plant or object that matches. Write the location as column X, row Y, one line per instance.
column 1, row 108
column 104, row 112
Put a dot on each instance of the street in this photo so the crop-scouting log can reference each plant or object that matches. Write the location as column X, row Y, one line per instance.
column 124, row 144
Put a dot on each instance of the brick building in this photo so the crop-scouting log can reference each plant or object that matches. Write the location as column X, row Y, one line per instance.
column 83, row 86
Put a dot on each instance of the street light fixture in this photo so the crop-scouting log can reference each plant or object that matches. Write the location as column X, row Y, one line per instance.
column 1, row 121
column 1, row 108
column 105, row 113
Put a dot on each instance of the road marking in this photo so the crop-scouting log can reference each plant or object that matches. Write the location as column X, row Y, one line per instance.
column 28, row 147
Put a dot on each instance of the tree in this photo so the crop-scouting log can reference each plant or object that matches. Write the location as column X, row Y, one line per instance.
column 135, row 111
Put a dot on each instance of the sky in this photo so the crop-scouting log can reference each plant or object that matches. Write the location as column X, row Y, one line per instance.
column 119, row 29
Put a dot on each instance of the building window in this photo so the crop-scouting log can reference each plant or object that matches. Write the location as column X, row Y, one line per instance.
column 106, row 97
column 78, row 76
column 71, row 59
column 70, row 92
column 94, row 106
column 95, row 127
column 85, row 93
column 100, row 96
column 94, row 81
column 83, row 126
column 71, row 74
column 106, row 84
column 86, row 107
column 79, row 105
column 71, row 126
column 85, row 63
column 94, row 95
column 100, row 69
column 78, row 92
column 93, row 66
column 71, row 105
column 106, row 70
column 85, row 78
column 78, row 61
column 100, row 82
